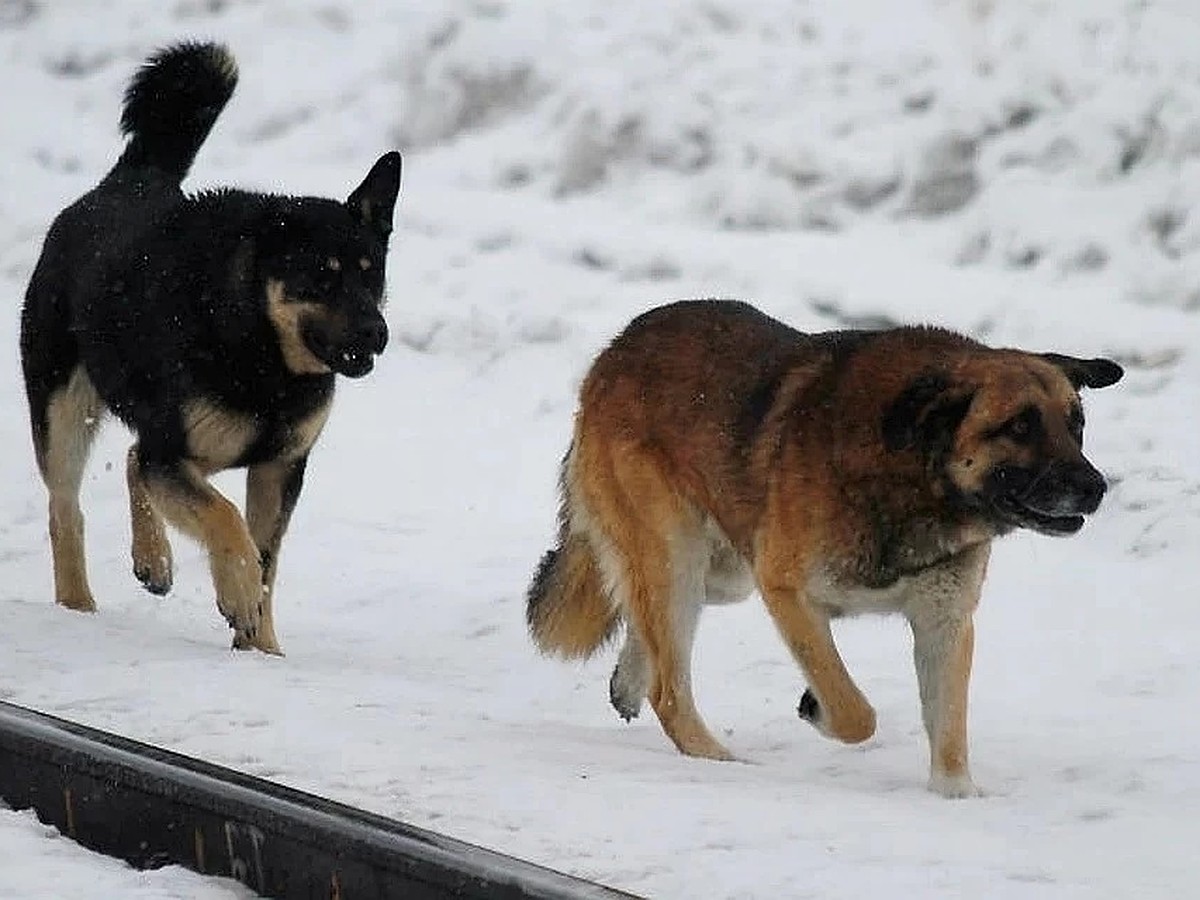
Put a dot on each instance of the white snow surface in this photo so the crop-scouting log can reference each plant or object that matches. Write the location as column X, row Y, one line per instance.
column 1026, row 171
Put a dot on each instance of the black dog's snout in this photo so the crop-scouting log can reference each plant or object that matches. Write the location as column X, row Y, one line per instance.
column 372, row 335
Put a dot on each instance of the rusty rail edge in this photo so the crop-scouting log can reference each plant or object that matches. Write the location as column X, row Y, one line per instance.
column 152, row 807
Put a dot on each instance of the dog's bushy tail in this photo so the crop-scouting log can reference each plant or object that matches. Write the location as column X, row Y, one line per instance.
column 172, row 103
column 569, row 610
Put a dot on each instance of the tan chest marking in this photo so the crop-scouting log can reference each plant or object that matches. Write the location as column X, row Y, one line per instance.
column 306, row 431
column 216, row 437
column 848, row 600
column 951, row 585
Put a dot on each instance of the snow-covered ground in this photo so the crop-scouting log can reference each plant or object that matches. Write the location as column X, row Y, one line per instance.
column 1026, row 171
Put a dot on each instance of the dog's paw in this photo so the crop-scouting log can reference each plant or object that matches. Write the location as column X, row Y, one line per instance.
column 626, row 699
column 79, row 602
column 157, row 580
column 255, row 631
column 853, row 728
column 953, row 787
column 253, row 639
column 153, row 562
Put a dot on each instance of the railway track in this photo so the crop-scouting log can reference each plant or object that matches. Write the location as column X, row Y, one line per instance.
column 152, row 807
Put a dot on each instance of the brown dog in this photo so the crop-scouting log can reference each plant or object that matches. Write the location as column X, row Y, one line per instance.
column 717, row 450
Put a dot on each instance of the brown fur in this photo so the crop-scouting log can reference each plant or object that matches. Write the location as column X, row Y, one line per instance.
column 574, row 631
column 717, row 450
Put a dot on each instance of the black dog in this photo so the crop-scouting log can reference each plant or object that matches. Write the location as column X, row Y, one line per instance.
column 212, row 325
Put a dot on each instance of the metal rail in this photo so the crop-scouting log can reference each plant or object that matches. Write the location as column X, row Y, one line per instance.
column 152, row 807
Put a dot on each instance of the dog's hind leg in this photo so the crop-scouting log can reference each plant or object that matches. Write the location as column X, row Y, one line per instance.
column 727, row 580
column 272, row 490
column 63, row 433
column 660, row 560
column 151, row 550
column 630, row 677
column 665, row 598
column 186, row 500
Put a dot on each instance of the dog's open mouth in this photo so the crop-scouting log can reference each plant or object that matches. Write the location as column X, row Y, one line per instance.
column 1024, row 516
column 351, row 359
column 352, row 363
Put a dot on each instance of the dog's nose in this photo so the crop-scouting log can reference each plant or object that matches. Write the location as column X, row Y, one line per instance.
column 1090, row 486
column 372, row 335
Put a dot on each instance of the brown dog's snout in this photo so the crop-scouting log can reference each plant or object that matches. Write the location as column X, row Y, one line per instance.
column 1074, row 488
column 1090, row 486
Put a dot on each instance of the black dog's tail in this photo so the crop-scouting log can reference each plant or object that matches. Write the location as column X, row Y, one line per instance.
column 172, row 103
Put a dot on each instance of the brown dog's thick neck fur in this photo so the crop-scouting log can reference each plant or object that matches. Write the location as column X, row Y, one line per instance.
column 717, row 450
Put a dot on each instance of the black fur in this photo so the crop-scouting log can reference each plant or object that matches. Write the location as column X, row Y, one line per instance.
column 171, row 105
column 105, row 223
column 160, row 299
column 194, row 325
column 161, row 296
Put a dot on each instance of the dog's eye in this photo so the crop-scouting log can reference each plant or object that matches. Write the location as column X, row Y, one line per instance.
column 333, row 264
column 364, row 264
column 1021, row 428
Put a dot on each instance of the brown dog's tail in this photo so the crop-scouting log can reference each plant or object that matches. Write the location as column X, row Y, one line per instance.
column 569, row 610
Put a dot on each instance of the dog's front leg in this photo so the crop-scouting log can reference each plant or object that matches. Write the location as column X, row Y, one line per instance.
column 941, row 617
column 833, row 703
column 943, row 660
column 151, row 550
column 272, row 489
column 181, row 494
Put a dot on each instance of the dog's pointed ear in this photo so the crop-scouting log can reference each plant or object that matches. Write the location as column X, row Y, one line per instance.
column 926, row 414
column 1092, row 373
column 373, row 202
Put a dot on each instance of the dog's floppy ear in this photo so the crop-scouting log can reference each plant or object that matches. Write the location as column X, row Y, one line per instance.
column 373, row 201
column 1093, row 373
column 926, row 414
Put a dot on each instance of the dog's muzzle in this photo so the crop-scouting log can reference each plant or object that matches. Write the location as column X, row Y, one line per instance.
column 357, row 357
column 1052, row 500
column 351, row 352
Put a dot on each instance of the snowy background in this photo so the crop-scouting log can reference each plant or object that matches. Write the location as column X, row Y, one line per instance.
column 1027, row 171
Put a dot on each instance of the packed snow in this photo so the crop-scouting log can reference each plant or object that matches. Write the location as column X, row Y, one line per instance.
column 1025, row 171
